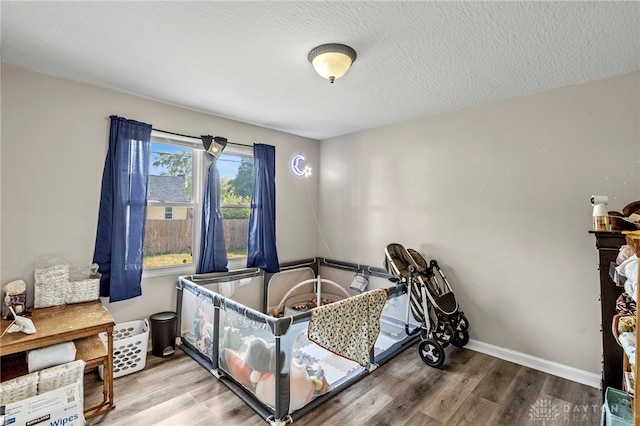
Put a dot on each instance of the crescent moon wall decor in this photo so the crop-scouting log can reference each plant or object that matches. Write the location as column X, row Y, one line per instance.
column 298, row 166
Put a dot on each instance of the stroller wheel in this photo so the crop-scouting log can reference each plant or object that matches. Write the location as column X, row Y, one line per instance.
column 461, row 323
column 431, row 353
column 445, row 334
column 461, row 338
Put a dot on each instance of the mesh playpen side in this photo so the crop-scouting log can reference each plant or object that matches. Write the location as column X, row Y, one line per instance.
column 267, row 361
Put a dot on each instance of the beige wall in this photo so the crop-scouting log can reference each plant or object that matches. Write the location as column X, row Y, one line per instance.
column 500, row 196
column 54, row 141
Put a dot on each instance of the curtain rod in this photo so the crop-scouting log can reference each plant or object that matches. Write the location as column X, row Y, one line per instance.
column 194, row 137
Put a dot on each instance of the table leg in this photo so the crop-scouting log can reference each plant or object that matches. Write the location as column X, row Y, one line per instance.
column 107, row 403
column 109, row 371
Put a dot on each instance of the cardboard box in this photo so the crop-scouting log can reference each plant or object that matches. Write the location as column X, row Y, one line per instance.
column 59, row 407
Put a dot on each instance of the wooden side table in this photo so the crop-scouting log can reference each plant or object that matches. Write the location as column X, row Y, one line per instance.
column 81, row 323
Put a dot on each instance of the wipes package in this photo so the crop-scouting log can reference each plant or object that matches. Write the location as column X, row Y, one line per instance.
column 59, row 407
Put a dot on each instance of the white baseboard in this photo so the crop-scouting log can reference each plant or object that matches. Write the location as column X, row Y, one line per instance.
column 560, row 370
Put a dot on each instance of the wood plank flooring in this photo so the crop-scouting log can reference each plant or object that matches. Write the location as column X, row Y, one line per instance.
column 471, row 388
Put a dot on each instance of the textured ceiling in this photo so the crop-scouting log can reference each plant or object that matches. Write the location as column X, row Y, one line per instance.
column 248, row 60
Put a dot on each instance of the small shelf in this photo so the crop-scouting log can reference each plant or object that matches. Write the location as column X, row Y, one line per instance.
column 92, row 351
column 633, row 239
column 12, row 366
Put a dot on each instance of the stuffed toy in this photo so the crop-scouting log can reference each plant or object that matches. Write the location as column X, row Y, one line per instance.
column 301, row 385
column 261, row 358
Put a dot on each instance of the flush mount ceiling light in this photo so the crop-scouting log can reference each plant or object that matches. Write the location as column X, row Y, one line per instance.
column 332, row 60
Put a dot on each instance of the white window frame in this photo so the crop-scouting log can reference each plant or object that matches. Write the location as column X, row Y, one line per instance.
column 199, row 167
column 196, row 194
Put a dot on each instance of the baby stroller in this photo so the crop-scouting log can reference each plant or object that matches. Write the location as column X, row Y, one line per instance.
column 431, row 302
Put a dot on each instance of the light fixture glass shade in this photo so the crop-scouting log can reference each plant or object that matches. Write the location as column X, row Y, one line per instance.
column 332, row 65
column 333, row 60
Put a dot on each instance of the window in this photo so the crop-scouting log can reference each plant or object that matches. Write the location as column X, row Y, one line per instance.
column 235, row 166
column 168, row 212
column 178, row 167
column 172, row 204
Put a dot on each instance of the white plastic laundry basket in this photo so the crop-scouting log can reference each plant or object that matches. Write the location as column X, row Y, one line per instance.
column 130, row 341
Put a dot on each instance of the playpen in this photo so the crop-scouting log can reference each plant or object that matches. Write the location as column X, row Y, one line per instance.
column 249, row 328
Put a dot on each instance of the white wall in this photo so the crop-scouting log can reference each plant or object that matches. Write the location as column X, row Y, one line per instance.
column 54, row 142
column 500, row 196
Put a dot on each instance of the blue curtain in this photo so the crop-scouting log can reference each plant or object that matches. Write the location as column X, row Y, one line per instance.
column 213, row 252
column 262, row 219
column 123, row 209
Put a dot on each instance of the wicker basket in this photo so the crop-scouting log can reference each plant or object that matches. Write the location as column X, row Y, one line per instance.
column 130, row 341
column 83, row 291
column 53, row 288
column 50, row 287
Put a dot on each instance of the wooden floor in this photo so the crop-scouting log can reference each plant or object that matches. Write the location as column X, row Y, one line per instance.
column 469, row 389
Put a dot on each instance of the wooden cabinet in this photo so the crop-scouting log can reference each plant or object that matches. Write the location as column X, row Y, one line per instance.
column 608, row 245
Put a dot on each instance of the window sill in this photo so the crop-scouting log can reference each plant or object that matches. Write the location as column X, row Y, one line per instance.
column 232, row 265
column 169, row 270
